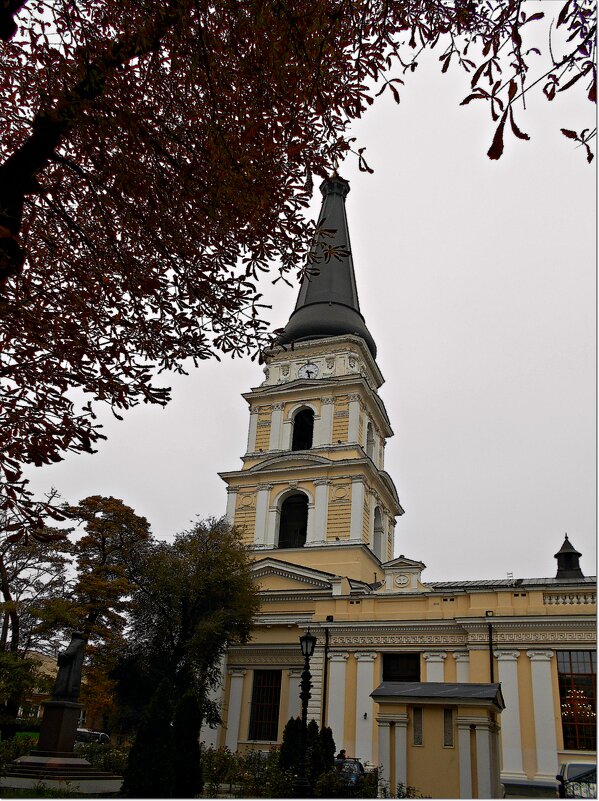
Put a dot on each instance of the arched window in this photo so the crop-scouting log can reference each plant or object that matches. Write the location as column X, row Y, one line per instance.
column 303, row 429
column 293, row 525
column 370, row 441
column 377, row 544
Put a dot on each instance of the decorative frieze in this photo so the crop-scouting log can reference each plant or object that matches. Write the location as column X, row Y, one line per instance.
column 399, row 639
column 280, row 658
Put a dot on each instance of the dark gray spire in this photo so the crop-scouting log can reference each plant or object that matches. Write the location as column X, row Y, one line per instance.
column 328, row 305
column 567, row 561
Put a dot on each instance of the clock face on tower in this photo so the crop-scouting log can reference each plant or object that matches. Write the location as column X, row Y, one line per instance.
column 309, row 370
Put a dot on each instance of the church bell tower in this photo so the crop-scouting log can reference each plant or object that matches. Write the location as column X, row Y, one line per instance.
column 313, row 490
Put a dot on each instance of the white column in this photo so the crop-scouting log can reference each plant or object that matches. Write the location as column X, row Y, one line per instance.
column 231, row 502
column 483, row 761
column 326, row 421
column 544, row 714
column 434, row 665
column 384, row 759
column 234, row 713
column 336, row 702
column 401, row 749
column 464, row 758
column 294, row 708
column 357, row 510
column 321, row 507
column 262, row 497
column 364, row 704
column 507, row 664
column 462, row 659
column 252, row 431
column 354, row 418
column 311, row 531
column 276, row 424
column 215, row 694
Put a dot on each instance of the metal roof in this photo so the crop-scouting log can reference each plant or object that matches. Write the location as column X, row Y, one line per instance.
column 508, row 583
column 440, row 690
column 328, row 304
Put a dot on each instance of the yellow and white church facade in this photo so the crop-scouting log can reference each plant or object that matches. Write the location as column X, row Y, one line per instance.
column 318, row 510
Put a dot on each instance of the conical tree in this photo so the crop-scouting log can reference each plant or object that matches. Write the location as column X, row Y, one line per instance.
column 327, row 747
column 150, row 771
column 186, row 732
column 291, row 745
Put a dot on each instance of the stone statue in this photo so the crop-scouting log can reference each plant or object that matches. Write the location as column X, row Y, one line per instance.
column 70, row 662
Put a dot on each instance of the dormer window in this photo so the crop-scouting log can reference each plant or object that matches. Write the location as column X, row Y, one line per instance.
column 293, row 525
column 303, row 430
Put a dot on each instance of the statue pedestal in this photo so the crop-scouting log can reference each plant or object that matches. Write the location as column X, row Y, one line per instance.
column 59, row 726
column 54, row 763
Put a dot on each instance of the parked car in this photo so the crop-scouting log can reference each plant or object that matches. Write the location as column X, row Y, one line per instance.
column 577, row 780
column 350, row 770
column 89, row 736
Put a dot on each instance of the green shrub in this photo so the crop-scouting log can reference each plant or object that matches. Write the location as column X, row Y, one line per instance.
column 260, row 775
column 13, row 748
column 103, row 756
column 330, row 784
column 407, row 791
column 219, row 766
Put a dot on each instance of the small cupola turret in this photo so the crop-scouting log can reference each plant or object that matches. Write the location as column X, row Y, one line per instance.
column 567, row 561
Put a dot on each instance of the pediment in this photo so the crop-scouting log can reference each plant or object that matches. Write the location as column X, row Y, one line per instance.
column 293, row 459
column 403, row 561
column 274, row 575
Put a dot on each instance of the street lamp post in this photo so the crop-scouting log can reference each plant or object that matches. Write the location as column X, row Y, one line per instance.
column 302, row 787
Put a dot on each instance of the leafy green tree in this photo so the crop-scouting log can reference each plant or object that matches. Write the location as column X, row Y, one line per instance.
column 187, row 761
column 192, row 597
column 150, row 768
column 108, row 556
column 32, row 575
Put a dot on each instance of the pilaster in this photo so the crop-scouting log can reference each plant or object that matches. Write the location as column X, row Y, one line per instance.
column 354, row 418
column 357, row 509
column 327, row 406
column 544, row 714
column 321, row 507
column 465, row 759
column 234, row 708
column 401, row 749
column 462, row 659
column 507, row 663
column 364, row 704
column 251, row 446
column 294, row 708
column 276, row 425
column 260, row 531
column 231, row 503
column 336, row 703
column 384, row 750
column 435, row 665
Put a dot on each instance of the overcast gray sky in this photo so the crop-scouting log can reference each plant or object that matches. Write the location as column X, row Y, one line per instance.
column 477, row 281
